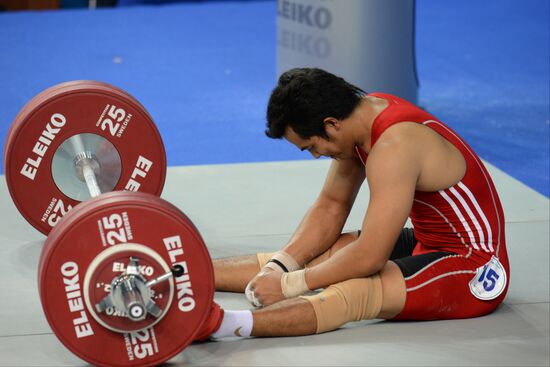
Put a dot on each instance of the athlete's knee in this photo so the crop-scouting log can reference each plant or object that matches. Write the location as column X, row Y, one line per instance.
column 344, row 240
column 351, row 300
column 264, row 257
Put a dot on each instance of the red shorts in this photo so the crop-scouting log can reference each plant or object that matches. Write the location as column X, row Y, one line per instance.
column 441, row 290
column 438, row 284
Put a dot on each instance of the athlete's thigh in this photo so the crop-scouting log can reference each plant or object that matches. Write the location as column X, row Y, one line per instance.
column 342, row 241
column 404, row 245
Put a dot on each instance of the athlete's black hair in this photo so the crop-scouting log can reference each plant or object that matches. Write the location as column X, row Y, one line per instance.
column 304, row 97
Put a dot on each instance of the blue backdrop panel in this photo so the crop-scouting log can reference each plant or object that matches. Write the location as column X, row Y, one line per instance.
column 205, row 70
column 484, row 69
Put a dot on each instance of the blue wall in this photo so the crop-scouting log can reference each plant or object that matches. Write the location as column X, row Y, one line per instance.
column 204, row 70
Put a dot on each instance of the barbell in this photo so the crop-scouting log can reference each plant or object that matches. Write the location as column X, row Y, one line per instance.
column 124, row 277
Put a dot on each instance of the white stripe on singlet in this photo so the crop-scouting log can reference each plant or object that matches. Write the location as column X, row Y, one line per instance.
column 448, row 222
column 430, row 264
column 478, row 162
column 439, row 277
column 472, row 217
column 460, row 217
column 481, row 215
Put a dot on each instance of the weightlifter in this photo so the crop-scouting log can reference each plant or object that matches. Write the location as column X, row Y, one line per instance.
column 452, row 265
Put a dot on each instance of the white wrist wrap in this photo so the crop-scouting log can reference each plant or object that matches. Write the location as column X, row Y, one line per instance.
column 282, row 262
column 294, row 283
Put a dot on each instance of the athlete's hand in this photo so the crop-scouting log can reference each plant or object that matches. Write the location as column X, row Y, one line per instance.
column 266, row 287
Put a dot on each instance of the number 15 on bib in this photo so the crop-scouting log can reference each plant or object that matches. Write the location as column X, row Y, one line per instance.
column 490, row 280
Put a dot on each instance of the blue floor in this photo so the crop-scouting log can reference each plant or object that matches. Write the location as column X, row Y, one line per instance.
column 205, row 70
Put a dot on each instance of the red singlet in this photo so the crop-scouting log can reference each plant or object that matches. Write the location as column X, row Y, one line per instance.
column 465, row 220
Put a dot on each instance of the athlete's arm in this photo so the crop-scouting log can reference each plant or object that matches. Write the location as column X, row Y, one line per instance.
column 323, row 222
column 393, row 168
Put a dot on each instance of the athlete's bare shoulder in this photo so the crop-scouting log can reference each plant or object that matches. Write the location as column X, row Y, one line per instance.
column 441, row 163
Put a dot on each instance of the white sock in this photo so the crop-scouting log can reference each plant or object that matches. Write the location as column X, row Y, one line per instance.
column 235, row 323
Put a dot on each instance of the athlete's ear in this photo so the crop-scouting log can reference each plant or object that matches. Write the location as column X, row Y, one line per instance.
column 331, row 122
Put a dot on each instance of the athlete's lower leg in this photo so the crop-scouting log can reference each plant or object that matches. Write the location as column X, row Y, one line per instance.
column 232, row 274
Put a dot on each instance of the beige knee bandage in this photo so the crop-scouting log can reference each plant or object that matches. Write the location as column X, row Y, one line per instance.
column 351, row 300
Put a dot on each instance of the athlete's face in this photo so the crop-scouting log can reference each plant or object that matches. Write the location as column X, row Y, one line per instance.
column 333, row 147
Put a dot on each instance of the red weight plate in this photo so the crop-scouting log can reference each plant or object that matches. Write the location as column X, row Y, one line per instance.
column 84, row 234
column 70, row 109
